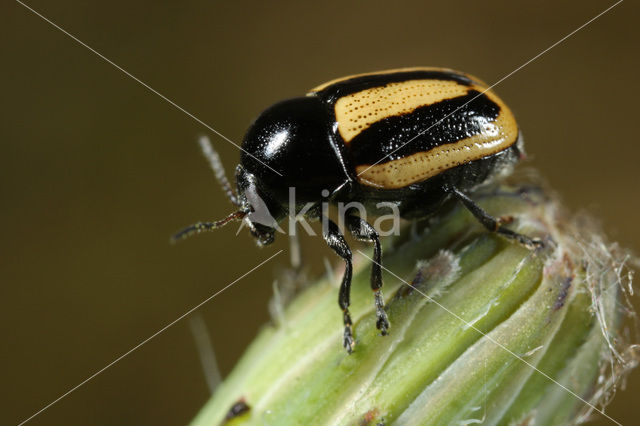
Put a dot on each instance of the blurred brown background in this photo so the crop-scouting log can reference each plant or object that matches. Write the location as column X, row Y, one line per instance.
column 96, row 171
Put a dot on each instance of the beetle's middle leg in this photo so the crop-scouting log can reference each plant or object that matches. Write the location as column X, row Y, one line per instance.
column 336, row 241
column 363, row 231
column 492, row 224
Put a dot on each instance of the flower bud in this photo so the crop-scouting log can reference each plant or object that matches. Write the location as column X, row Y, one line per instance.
column 483, row 330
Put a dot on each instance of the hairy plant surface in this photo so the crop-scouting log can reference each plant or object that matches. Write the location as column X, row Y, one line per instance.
column 482, row 331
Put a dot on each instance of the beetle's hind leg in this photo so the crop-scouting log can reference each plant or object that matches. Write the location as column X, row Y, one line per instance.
column 492, row 224
column 336, row 241
column 363, row 231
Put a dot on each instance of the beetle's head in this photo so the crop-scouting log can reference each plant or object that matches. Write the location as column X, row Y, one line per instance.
column 291, row 145
column 255, row 208
column 287, row 147
column 263, row 213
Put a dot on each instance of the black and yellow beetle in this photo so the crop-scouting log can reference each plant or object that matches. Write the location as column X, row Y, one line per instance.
column 415, row 137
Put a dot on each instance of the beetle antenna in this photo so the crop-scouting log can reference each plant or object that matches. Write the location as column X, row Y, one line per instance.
column 213, row 158
column 199, row 227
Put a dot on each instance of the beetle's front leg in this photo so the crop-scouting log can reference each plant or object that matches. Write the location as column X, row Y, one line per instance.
column 363, row 231
column 336, row 241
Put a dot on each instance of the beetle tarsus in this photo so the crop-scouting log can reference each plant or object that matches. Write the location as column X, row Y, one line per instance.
column 363, row 231
column 533, row 243
column 382, row 321
column 347, row 340
column 495, row 225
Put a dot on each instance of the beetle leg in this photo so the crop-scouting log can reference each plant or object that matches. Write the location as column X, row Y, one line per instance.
column 336, row 241
column 492, row 224
column 363, row 231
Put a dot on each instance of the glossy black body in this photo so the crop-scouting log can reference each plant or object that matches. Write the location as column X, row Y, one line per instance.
column 299, row 145
column 299, row 139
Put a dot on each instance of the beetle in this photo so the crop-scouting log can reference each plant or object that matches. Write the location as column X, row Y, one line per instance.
column 415, row 137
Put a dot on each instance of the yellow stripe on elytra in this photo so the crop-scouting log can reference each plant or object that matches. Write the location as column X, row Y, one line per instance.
column 497, row 136
column 358, row 111
column 391, row 71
